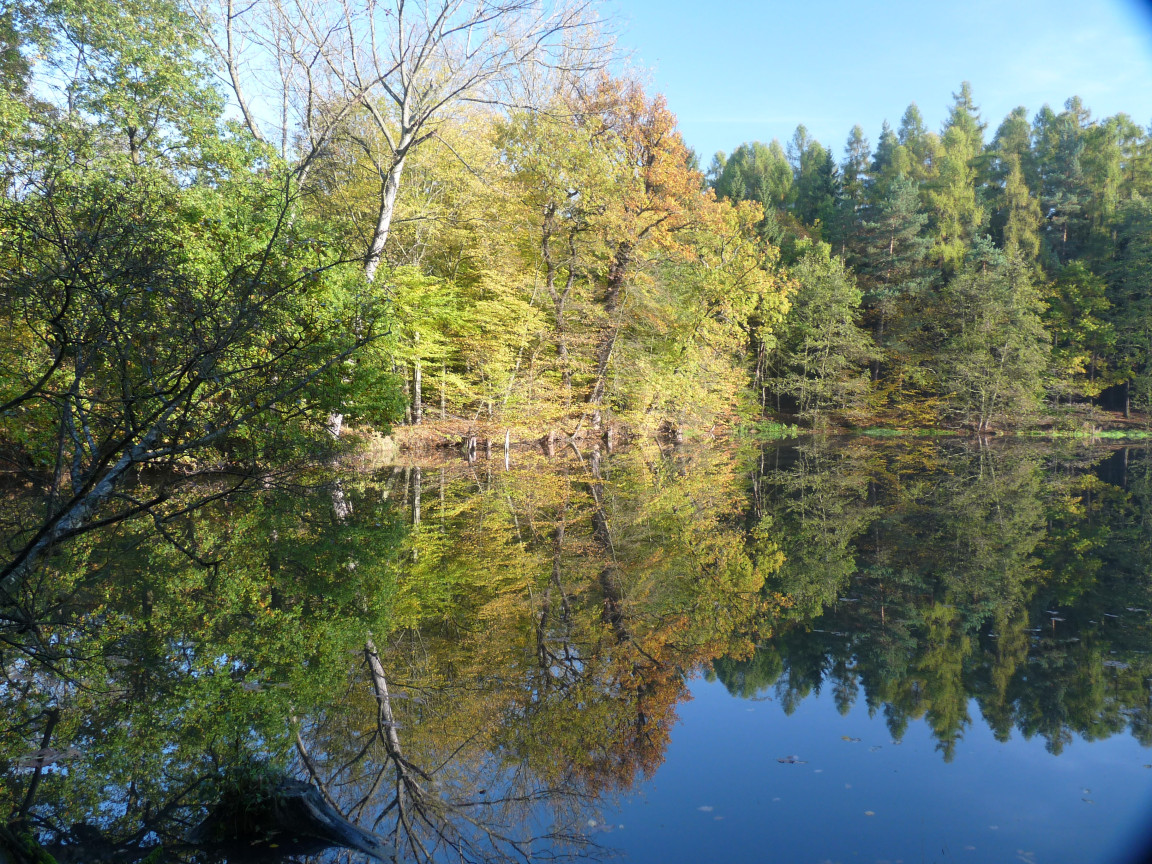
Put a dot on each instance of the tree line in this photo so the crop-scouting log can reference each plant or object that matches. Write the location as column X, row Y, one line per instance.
column 956, row 276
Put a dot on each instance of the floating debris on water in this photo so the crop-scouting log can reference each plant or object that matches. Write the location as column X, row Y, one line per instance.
column 793, row 760
column 850, row 738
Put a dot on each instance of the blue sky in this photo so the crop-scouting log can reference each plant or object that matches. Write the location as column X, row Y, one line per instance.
column 740, row 70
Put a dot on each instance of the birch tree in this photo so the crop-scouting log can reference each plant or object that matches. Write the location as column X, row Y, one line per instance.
column 301, row 70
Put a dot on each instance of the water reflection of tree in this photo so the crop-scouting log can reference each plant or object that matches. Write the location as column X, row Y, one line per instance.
column 162, row 672
column 941, row 593
column 534, row 630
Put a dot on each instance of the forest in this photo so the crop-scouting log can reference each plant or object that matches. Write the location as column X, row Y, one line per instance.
column 245, row 251
column 231, row 230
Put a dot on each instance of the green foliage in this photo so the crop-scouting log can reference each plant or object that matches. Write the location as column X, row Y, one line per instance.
column 992, row 347
column 1130, row 294
column 821, row 351
column 757, row 172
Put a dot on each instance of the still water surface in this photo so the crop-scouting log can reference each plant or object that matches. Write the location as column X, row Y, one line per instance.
column 846, row 650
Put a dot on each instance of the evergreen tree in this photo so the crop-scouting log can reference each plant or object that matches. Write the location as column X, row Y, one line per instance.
column 1019, row 213
column 890, row 259
column 1130, row 293
column 992, row 348
column 817, row 183
column 1059, row 144
column 955, row 206
column 888, row 162
column 920, row 145
column 821, row 351
column 854, row 181
column 1014, row 138
column 757, row 172
column 1083, row 337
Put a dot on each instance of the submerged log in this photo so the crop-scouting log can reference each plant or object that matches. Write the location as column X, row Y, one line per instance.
column 292, row 818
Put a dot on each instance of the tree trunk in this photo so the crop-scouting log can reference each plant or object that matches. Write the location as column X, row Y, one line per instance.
column 384, row 219
column 416, row 484
column 613, row 293
column 417, row 395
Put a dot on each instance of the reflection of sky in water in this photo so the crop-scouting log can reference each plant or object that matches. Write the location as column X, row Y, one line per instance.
column 993, row 802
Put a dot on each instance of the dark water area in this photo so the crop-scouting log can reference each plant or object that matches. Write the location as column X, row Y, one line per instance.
column 840, row 650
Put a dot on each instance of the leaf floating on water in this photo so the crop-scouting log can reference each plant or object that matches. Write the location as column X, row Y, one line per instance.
column 793, row 760
column 850, row 739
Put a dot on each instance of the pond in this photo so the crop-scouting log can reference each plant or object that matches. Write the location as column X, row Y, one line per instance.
column 817, row 650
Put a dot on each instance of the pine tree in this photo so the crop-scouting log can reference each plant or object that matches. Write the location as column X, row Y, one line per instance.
column 890, row 256
column 854, row 181
column 1059, row 144
column 889, row 162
